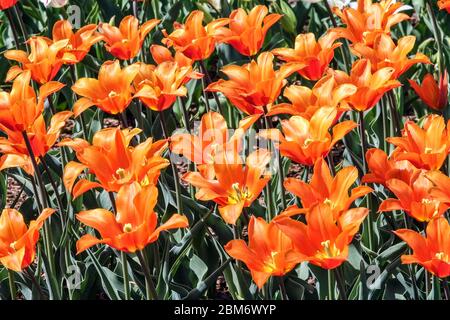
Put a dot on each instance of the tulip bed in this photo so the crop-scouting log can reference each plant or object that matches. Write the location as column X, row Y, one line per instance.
column 287, row 150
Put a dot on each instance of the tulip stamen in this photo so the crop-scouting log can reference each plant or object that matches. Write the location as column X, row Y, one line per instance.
column 12, row 245
column 127, row 227
column 121, row 173
column 238, row 194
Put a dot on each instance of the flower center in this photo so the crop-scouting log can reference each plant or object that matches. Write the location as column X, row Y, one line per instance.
column 441, row 256
column 307, row 142
column 12, row 245
column 428, row 150
column 112, row 94
column 329, row 250
column 120, row 173
column 238, row 194
column 127, row 227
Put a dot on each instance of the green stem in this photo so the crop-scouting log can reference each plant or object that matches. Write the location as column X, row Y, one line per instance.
column 446, row 289
column 172, row 164
column 44, row 204
column 35, row 283
column 284, row 295
column 12, row 285
column 22, row 27
column 126, row 280
column 55, row 189
column 149, row 285
column 341, row 284
column 13, row 27
column 330, row 285
column 208, row 78
column 437, row 36
column 394, row 114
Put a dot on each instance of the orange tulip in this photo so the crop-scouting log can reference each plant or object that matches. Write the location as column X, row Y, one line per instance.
column 159, row 86
column 444, row 5
column 324, row 240
column 414, row 198
column 6, row 4
column 193, row 39
column 382, row 168
column 20, row 108
column 432, row 251
column 305, row 101
column 433, row 94
column 126, row 41
column 134, row 226
column 236, row 185
column 323, row 188
column 441, row 188
column 112, row 92
column 371, row 86
column 315, row 55
column 384, row 53
column 213, row 136
column 161, row 54
column 425, row 147
column 113, row 161
column 255, row 86
column 79, row 43
column 44, row 61
column 368, row 19
column 246, row 33
column 269, row 252
column 305, row 141
column 17, row 241
column 14, row 149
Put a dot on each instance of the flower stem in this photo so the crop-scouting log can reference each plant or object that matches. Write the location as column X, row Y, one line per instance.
column 394, row 114
column 172, row 164
column 44, row 204
column 446, row 289
column 330, row 285
column 13, row 27
column 341, row 284
column 437, row 36
column 12, row 285
column 208, row 78
column 35, row 283
column 73, row 75
column 126, row 280
column 149, row 285
column 284, row 295
column 22, row 27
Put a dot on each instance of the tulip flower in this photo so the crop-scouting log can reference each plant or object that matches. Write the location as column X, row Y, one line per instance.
column 425, row 147
column 246, row 33
column 323, row 188
column 323, row 240
column 161, row 54
column 17, row 241
column 371, row 86
column 435, row 95
column 443, row 5
column 134, row 226
column 441, row 186
column 382, row 168
column 113, row 161
column 20, row 108
column 14, row 148
column 112, row 92
column 236, row 185
column 305, row 101
column 44, row 61
column 194, row 40
column 432, row 251
column 315, row 55
column 384, row 53
column 255, row 86
column 305, row 141
column 126, row 41
column 269, row 252
column 6, row 4
column 368, row 19
column 159, row 86
column 414, row 198
column 212, row 137
column 79, row 43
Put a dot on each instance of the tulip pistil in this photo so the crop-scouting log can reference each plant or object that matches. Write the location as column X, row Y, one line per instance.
column 127, row 227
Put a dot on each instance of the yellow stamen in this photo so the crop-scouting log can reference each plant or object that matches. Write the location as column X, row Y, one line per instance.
column 112, row 94
column 307, row 142
column 121, row 173
column 127, row 227
column 428, row 150
column 13, row 245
